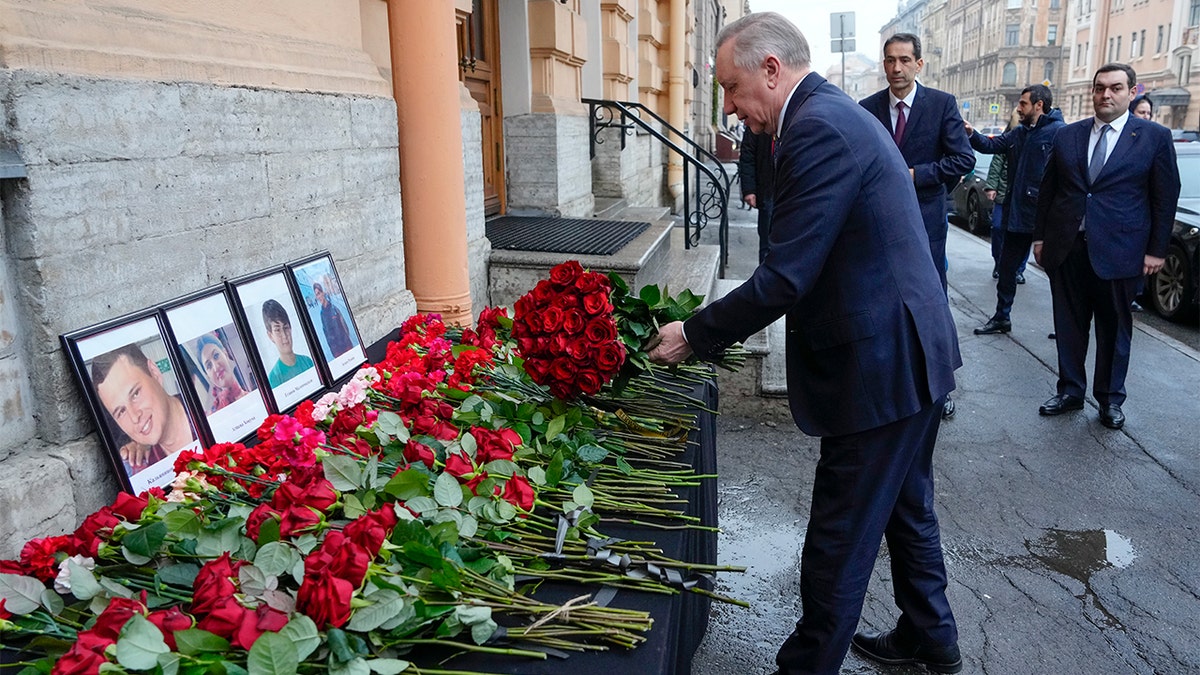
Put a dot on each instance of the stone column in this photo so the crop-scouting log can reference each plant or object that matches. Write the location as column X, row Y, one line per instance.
column 425, row 83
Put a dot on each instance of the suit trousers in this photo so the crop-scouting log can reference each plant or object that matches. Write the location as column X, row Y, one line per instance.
column 1079, row 296
column 766, row 209
column 871, row 485
column 1014, row 250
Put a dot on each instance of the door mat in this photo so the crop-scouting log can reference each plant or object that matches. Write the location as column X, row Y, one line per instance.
column 575, row 236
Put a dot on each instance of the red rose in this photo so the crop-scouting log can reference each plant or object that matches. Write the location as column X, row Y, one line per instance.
column 213, row 584
column 591, row 282
column 350, row 562
column 372, row 528
column 588, row 381
column 563, row 370
column 96, row 526
column 519, row 493
column 566, row 273
column 325, row 599
column 567, row 301
column 597, row 303
column 4, row 613
column 298, row 520
column 601, row 330
column 538, row 369
column 257, row 517
column 419, row 452
column 552, row 319
column 580, row 350
column 318, row 494
column 473, row 484
column 573, row 321
column 40, row 557
column 115, row 615
column 458, row 465
column 609, row 357
column 84, row 657
column 129, row 507
column 255, row 623
column 543, row 292
column 169, row 621
column 494, row 445
column 224, row 619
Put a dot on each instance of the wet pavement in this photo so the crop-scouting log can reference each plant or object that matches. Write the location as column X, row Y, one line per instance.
column 1071, row 548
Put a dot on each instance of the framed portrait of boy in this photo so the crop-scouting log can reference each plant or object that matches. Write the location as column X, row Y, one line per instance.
column 328, row 313
column 281, row 344
column 225, row 390
column 130, row 379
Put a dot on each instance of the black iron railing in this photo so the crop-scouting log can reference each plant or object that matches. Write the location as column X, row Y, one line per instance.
column 704, row 202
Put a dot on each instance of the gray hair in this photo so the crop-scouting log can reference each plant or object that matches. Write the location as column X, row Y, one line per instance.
column 757, row 35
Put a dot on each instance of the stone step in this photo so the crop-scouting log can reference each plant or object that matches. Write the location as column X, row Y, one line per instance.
column 766, row 369
column 694, row 269
column 606, row 208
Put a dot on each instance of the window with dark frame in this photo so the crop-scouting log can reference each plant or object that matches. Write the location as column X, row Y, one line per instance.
column 1052, row 34
column 1012, row 34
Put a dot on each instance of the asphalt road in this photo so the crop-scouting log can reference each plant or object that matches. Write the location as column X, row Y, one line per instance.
column 1071, row 548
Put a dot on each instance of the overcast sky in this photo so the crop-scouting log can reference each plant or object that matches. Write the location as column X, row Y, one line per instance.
column 812, row 18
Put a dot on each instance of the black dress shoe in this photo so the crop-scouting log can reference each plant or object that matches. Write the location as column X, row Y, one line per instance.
column 994, row 326
column 1061, row 404
column 1112, row 417
column 948, row 408
column 890, row 649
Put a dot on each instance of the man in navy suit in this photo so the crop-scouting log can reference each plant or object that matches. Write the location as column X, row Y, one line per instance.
column 927, row 128
column 1104, row 219
column 871, row 348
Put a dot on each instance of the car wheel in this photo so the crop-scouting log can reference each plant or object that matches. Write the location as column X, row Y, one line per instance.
column 1169, row 287
column 974, row 217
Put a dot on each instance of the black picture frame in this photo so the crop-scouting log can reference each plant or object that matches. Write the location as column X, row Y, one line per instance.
column 224, row 384
column 287, row 384
column 331, row 321
column 138, row 403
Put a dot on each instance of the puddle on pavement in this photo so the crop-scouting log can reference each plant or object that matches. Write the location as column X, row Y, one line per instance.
column 1080, row 554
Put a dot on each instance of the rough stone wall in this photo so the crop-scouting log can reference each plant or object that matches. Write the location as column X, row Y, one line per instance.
column 478, row 246
column 139, row 192
column 549, row 164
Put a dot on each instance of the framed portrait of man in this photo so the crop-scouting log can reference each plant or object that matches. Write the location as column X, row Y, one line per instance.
column 328, row 313
column 281, row 343
column 224, row 387
column 131, row 382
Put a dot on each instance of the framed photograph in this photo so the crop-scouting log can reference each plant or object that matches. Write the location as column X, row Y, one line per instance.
column 131, row 381
column 217, row 362
column 328, row 313
column 281, row 343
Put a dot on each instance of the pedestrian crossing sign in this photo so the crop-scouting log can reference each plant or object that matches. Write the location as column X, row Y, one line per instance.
column 994, row 108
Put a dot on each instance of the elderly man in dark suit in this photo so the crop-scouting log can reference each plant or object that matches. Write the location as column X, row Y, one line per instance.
column 1104, row 218
column 927, row 128
column 871, row 348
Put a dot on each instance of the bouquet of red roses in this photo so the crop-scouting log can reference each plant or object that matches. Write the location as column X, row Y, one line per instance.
column 566, row 334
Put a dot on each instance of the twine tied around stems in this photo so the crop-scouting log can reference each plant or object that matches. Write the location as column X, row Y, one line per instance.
column 564, row 610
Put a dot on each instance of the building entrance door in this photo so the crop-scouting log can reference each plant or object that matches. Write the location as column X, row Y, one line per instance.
column 479, row 70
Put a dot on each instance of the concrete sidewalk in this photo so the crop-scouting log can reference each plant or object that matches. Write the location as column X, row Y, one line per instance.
column 1070, row 547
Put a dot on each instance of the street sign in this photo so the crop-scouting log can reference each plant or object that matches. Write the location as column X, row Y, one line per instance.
column 841, row 29
column 838, row 46
column 966, row 105
column 994, row 108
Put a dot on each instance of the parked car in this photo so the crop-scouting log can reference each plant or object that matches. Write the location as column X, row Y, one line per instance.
column 1182, row 136
column 968, row 206
column 1172, row 290
column 990, row 131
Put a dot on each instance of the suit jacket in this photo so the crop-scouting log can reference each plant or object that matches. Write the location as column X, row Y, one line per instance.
column 870, row 339
column 934, row 146
column 1028, row 150
column 756, row 167
column 1130, row 209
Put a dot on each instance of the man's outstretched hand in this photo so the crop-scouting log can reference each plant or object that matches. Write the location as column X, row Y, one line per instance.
column 671, row 347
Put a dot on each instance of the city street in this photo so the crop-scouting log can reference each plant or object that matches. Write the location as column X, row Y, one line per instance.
column 1070, row 547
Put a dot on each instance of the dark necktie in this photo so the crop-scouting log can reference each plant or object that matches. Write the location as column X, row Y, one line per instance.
column 901, row 122
column 1097, row 163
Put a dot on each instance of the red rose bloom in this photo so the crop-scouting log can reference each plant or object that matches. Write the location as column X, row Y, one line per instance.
column 169, row 621
column 257, row 517
column 601, row 330
column 609, row 357
column 597, row 303
column 224, row 619
column 298, row 520
column 566, row 273
column 108, row 625
column 325, row 599
column 318, row 494
column 519, row 493
column 94, row 528
column 371, row 529
column 129, row 507
column 255, row 623
column 562, row 370
column 458, row 465
column 589, row 381
column 213, row 584
column 573, row 321
column 418, row 452
column 84, row 657
column 552, row 319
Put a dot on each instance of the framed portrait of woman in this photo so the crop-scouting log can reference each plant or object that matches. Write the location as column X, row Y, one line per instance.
column 281, row 343
column 132, row 383
column 328, row 313
column 224, row 387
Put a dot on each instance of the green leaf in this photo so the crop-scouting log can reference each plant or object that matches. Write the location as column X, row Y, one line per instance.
column 536, row 474
column 468, row 526
column 651, row 295
column 351, row 506
column 387, row 605
column 447, row 491
column 180, row 574
column 387, row 666
column 194, row 641
column 592, row 454
column 618, row 283
column 371, row 472
column 583, row 496
column 624, row 466
column 423, row 505
column 554, row 472
column 506, row 510
column 83, row 583
column 408, row 484
column 275, row 558
column 344, row 472
column 145, row 541
column 140, row 644
column 184, row 522
column 254, row 582
column 21, row 595
column 483, row 631
column 339, row 644
column 169, row 663
column 221, row 536
column 469, row 444
column 555, row 427
column 356, row 666
column 273, row 654
column 500, row 467
column 53, row 602
column 303, row 633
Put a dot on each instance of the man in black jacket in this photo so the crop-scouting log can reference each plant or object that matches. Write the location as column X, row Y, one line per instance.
column 756, row 170
column 1028, row 148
